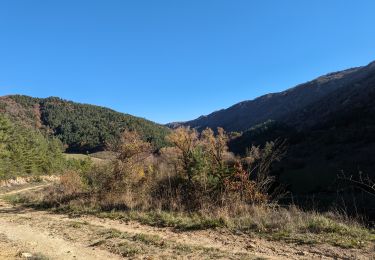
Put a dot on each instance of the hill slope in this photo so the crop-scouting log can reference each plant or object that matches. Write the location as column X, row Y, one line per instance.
column 333, row 134
column 81, row 127
column 278, row 106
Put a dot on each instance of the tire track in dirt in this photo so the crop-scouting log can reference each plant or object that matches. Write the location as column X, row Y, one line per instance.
column 28, row 238
column 52, row 235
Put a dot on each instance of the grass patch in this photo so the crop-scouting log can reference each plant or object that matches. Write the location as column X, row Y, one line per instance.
column 130, row 245
column 309, row 228
column 114, row 233
column 273, row 223
column 77, row 224
column 15, row 199
column 183, row 248
column 128, row 250
column 39, row 256
column 179, row 221
column 147, row 239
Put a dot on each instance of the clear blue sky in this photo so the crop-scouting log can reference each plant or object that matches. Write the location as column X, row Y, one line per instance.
column 175, row 60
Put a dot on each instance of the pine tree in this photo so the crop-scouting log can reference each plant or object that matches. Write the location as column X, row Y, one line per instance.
column 5, row 134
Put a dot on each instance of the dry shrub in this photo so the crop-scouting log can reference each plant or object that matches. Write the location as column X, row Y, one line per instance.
column 196, row 174
column 70, row 187
column 71, row 183
column 240, row 184
column 174, row 193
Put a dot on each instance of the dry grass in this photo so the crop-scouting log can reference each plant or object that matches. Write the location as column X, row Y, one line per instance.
column 80, row 157
column 269, row 221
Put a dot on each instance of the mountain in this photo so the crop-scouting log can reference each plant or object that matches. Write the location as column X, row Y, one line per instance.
column 81, row 127
column 352, row 103
column 333, row 134
column 279, row 106
column 329, row 126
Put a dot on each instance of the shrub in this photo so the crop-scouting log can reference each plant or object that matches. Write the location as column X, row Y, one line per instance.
column 196, row 174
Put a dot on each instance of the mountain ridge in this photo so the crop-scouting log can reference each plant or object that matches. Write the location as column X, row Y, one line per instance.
column 81, row 127
column 274, row 106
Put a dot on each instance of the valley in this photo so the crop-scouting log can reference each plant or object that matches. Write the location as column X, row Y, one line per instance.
column 285, row 176
column 187, row 130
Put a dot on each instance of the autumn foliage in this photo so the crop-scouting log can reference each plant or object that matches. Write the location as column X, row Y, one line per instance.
column 195, row 172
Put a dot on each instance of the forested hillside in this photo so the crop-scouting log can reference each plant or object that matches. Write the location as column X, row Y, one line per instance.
column 80, row 127
column 336, row 133
column 330, row 137
column 280, row 106
column 27, row 152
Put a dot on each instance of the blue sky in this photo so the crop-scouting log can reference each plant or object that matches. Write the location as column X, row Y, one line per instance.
column 172, row 60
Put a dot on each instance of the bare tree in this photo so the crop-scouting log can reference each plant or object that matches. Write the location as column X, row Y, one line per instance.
column 365, row 183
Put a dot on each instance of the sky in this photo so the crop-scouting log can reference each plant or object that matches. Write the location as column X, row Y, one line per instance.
column 174, row 60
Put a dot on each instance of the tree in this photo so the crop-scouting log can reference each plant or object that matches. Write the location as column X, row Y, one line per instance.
column 132, row 148
column 259, row 162
column 25, row 151
column 186, row 141
column 129, row 166
column 5, row 133
column 216, row 148
column 239, row 183
column 365, row 183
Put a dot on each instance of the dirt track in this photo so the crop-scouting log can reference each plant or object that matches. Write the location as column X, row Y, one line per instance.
column 54, row 236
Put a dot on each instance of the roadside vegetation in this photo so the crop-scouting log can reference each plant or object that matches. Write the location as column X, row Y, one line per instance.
column 195, row 183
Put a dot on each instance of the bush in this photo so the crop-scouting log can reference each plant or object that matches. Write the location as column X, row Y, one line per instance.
column 196, row 174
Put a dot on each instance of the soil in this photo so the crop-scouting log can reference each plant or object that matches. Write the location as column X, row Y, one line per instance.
column 38, row 234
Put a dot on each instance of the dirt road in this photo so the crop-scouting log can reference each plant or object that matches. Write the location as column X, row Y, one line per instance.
column 26, row 232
